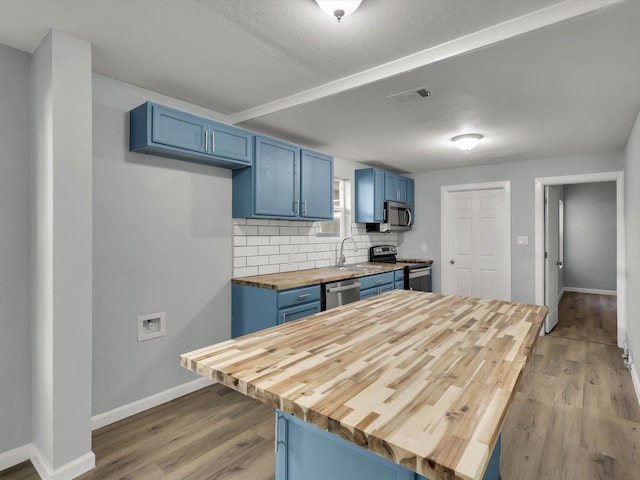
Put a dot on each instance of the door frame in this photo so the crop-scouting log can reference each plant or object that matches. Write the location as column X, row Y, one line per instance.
column 615, row 176
column 445, row 194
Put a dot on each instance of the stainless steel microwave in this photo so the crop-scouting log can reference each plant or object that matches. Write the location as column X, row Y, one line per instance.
column 397, row 218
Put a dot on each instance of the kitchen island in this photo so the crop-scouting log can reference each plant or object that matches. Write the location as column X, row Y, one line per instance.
column 404, row 383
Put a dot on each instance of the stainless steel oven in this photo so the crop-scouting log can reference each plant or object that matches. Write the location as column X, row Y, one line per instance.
column 417, row 275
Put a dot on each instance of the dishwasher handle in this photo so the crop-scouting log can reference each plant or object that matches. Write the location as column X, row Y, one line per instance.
column 343, row 289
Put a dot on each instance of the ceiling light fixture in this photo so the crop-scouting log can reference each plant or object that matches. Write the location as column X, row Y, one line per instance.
column 338, row 8
column 467, row 141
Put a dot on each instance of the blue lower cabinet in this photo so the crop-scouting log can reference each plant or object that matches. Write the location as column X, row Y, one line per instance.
column 372, row 285
column 255, row 308
column 304, row 451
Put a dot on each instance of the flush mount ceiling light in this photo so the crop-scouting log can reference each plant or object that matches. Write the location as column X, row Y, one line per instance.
column 467, row 141
column 338, row 8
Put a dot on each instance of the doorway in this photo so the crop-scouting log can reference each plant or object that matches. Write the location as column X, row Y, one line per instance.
column 476, row 247
column 541, row 280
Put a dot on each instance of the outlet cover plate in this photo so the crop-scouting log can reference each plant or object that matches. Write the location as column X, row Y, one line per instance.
column 151, row 326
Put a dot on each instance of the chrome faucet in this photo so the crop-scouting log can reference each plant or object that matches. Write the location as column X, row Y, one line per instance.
column 342, row 258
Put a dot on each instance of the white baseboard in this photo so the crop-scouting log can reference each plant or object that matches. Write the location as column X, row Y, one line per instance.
column 589, row 290
column 68, row 471
column 15, row 456
column 636, row 381
column 119, row 413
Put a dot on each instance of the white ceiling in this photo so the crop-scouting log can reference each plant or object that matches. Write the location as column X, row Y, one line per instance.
column 537, row 78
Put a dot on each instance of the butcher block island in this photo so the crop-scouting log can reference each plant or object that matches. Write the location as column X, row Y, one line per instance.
column 403, row 385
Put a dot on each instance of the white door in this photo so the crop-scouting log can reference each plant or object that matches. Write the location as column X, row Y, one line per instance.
column 476, row 254
column 552, row 252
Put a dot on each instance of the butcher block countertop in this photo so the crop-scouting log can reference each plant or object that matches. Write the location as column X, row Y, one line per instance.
column 423, row 379
column 313, row 276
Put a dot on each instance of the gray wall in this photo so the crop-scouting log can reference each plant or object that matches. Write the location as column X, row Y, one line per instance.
column 15, row 341
column 522, row 176
column 632, row 252
column 590, row 236
column 162, row 243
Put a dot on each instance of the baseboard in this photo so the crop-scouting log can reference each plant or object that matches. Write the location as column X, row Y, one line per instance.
column 120, row 413
column 589, row 290
column 15, row 456
column 68, row 471
column 636, row 381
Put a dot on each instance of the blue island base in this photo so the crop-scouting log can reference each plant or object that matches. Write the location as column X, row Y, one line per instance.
column 305, row 452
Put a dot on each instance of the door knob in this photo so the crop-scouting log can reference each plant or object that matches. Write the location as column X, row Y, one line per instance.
column 559, row 264
column 452, row 262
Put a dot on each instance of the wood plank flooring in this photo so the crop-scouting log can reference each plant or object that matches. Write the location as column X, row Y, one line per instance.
column 575, row 416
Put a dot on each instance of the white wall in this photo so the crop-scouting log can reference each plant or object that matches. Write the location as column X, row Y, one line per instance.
column 632, row 221
column 521, row 175
column 15, row 322
column 61, row 254
column 162, row 233
column 590, row 236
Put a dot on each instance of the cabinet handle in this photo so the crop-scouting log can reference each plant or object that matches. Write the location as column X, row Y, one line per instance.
column 304, row 295
column 296, row 207
column 213, row 141
column 284, row 317
column 206, row 141
column 378, row 282
column 304, row 207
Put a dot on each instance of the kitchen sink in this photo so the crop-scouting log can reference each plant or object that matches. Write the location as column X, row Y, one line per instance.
column 357, row 267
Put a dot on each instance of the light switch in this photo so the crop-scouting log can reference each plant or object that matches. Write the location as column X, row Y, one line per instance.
column 523, row 240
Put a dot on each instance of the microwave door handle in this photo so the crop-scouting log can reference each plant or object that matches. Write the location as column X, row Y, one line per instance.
column 410, row 219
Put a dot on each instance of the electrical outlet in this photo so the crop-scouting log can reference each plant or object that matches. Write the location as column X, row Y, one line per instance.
column 523, row 241
column 424, row 247
column 151, row 326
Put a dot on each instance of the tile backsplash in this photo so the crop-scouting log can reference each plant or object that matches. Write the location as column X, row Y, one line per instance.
column 272, row 246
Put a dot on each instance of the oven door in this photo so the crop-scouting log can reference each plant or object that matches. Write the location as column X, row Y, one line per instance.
column 419, row 279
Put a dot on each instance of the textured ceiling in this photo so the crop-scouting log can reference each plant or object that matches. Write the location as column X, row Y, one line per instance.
column 563, row 89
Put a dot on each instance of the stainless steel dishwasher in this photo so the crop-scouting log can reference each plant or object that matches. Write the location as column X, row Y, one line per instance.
column 341, row 293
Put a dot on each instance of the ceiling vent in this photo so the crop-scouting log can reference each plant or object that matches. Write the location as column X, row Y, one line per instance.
column 410, row 95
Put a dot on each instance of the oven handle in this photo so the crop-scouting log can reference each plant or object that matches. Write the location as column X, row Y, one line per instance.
column 420, row 272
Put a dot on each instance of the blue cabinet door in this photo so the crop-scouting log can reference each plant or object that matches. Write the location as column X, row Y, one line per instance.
column 316, row 185
column 276, row 178
column 229, row 142
column 369, row 195
column 390, row 187
column 401, row 186
column 178, row 129
column 411, row 194
column 299, row 311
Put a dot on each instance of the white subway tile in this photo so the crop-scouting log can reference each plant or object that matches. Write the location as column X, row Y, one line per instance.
column 239, row 262
column 239, row 221
column 288, row 231
column 245, row 251
column 266, row 269
column 307, row 248
column 332, row 256
column 257, row 221
column 252, row 261
column 298, row 257
column 314, row 256
column 268, row 250
column 273, row 259
column 268, row 230
column 298, row 239
column 323, row 263
column 239, row 241
column 285, row 267
column 279, row 240
column 289, row 248
column 306, row 265
column 257, row 240
column 279, row 223
column 245, row 272
column 245, row 230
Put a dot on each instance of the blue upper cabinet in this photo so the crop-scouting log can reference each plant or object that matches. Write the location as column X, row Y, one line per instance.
column 370, row 185
column 316, row 185
column 167, row 132
column 395, row 187
column 285, row 182
column 276, row 178
column 374, row 187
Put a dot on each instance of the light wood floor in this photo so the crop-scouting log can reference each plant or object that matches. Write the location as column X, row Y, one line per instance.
column 575, row 416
